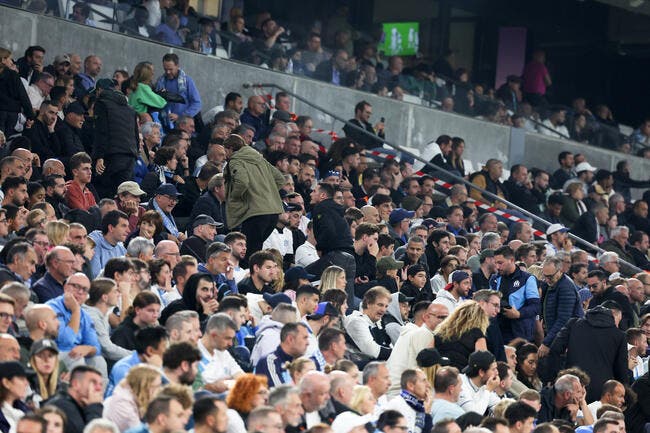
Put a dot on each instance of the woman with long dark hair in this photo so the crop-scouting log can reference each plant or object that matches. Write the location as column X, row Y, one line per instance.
column 13, row 391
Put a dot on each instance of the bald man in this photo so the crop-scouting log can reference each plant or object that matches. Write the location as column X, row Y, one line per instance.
column 41, row 322
column 253, row 116
column 9, row 348
column 58, row 262
column 30, row 160
column 407, row 347
column 77, row 337
column 53, row 166
column 370, row 214
column 169, row 252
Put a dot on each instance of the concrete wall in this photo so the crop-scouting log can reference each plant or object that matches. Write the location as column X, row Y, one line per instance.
column 412, row 126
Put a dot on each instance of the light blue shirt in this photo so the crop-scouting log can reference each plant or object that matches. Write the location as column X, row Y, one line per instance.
column 68, row 339
column 442, row 409
column 120, row 370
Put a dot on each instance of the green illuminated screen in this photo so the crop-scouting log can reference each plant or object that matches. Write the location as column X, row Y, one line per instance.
column 400, row 39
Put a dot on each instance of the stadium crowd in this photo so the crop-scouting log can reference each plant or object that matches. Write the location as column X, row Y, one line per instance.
column 334, row 51
column 159, row 274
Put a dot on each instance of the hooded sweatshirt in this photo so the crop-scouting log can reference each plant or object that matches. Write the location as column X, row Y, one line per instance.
column 392, row 320
column 187, row 302
column 104, row 251
column 116, row 127
column 267, row 340
column 595, row 345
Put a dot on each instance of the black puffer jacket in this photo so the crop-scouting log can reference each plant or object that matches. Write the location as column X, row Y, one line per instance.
column 116, row 128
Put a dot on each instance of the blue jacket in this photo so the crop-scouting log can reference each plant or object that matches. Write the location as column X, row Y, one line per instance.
column 47, row 288
column 559, row 303
column 274, row 367
column 142, row 428
column 259, row 123
column 518, row 290
column 192, row 105
column 223, row 285
column 119, row 371
column 67, row 338
column 104, row 252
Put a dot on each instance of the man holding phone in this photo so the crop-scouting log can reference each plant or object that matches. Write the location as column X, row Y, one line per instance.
column 520, row 303
column 362, row 113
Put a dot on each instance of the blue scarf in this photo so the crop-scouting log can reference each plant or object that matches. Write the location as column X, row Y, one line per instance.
column 423, row 421
column 181, row 79
column 169, row 223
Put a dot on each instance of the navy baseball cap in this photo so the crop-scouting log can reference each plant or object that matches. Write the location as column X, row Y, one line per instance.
column 275, row 299
column 297, row 273
column 400, row 214
column 324, row 309
column 168, row 189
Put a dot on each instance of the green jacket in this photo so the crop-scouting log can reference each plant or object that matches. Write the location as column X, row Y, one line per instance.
column 144, row 97
column 252, row 187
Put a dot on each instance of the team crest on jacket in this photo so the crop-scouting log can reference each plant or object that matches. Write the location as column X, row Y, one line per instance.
column 515, row 284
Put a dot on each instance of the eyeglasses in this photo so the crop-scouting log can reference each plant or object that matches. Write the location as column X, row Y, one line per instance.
column 79, row 287
column 549, row 277
column 172, row 198
column 5, row 316
column 41, row 243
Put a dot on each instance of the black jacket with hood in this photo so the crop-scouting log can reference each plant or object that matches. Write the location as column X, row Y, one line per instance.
column 595, row 345
column 331, row 230
column 188, row 301
column 116, row 128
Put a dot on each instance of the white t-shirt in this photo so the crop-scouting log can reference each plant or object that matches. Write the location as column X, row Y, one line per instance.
column 220, row 365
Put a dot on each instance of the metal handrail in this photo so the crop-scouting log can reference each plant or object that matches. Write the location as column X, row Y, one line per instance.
column 447, row 173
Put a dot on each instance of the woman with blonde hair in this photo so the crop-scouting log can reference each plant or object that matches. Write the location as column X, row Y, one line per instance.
column 429, row 361
column 574, row 206
column 57, row 232
column 346, row 366
column 142, row 97
column 132, row 395
column 363, row 401
column 44, row 360
column 299, row 367
column 333, row 277
column 36, row 219
column 462, row 333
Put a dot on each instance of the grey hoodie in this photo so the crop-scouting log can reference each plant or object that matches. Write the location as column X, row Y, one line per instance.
column 267, row 340
column 393, row 329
